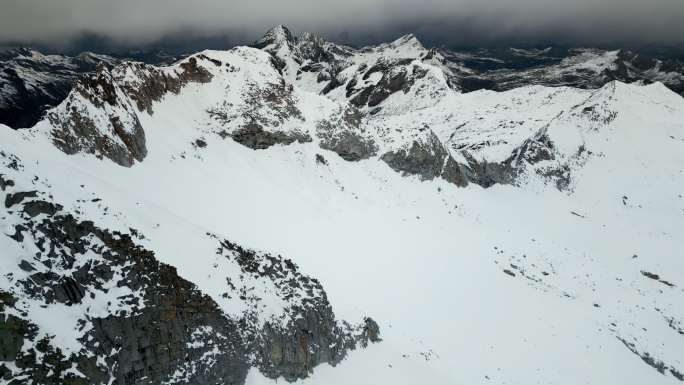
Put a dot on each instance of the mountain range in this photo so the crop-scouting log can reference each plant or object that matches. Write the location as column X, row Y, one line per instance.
column 31, row 82
column 311, row 212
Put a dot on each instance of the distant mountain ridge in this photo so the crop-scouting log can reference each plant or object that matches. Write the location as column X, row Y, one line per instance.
column 31, row 82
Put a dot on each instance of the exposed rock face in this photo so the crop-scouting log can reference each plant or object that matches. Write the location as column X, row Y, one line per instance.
column 428, row 159
column 12, row 331
column 313, row 48
column 487, row 174
column 534, row 155
column 539, row 156
column 655, row 363
column 396, row 75
column 5, row 183
column 271, row 104
column 151, row 83
column 99, row 116
column 139, row 322
column 310, row 334
column 111, row 129
column 346, row 137
column 258, row 122
column 152, row 339
column 275, row 37
column 537, row 152
column 31, row 82
column 256, row 138
column 350, row 146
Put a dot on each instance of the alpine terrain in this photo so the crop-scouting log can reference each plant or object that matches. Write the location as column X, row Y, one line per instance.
column 303, row 211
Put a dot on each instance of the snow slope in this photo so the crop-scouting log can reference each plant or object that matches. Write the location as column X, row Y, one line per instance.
column 512, row 284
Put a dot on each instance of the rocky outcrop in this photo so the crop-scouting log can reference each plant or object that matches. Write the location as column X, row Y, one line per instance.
column 487, row 174
column 275, row 37
column 150, row 83
column 139, row 322
column 427, row 159
column 345, row 136
column 31, row 83
column 662, row 367
column 308, row 334
column 151, row 335
column 534, row 155
column 350, row 146
column 396, row 75
column 259, row 122
column 100, row 116
column 256, row 138
column 12, row 332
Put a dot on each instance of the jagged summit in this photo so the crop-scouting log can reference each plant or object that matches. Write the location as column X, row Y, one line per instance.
column 275, row 37
column 407, row 46
column 280, row 37
column 31, row 83
column 408, row 39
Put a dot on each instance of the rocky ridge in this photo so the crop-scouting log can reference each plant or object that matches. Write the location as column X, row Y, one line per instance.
column 135, row 320
column 370, row 86
column 32, row 82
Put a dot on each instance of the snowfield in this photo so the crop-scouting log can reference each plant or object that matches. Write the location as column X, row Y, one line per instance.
column 511, row 284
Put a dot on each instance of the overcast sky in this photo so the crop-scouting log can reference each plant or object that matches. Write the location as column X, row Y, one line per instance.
column 140, row 22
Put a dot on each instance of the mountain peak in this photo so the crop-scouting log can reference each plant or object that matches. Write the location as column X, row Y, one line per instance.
column 276, row 36
column 408, row 40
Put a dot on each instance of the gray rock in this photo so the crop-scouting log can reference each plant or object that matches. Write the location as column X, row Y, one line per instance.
column 487, row 174
column 427, row 159
column 157, row 339
column 345, row 136
column 350, row 146
column 34, row 208
column 11, row 337
column 75, row 131
column 256, row 138
column 321, row 160
column 523, row 159
column 26, row 266
column 4, row 183
column 13, row 199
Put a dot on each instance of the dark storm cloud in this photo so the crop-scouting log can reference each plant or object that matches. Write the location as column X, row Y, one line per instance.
column 462, row 22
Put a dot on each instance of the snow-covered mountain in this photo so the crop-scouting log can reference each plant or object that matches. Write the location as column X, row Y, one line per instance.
column 31, row 82
column 324, row 214
column 578, row 67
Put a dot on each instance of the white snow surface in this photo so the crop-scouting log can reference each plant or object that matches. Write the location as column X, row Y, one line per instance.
column 425, row 259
